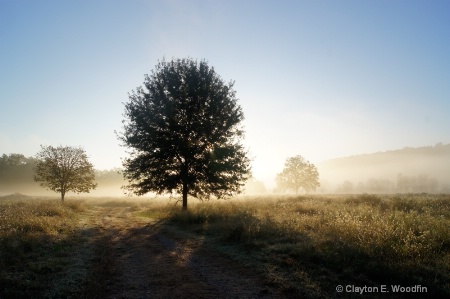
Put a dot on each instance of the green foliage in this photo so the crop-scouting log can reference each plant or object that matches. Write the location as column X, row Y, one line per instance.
column 184, row 131
column 64, row 169
column 298, row 174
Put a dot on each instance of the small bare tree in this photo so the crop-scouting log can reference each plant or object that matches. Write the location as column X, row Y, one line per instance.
column 63, row 169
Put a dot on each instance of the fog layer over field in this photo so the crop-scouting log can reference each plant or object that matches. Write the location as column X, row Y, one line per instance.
column 424, row 169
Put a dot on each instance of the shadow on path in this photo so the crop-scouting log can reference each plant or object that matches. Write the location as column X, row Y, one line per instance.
column 138, row 257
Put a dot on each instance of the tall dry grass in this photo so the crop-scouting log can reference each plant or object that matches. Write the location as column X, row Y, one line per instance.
column 309, row 244
column 36, row 239
column 302, row 245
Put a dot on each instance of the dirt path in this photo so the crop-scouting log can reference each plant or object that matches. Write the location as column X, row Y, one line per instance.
column 136, row 257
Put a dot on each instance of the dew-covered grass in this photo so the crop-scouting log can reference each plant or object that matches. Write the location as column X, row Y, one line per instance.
column 309, row 244
column 37, row 237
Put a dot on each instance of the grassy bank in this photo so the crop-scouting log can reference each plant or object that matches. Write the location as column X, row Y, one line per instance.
column 307, row 245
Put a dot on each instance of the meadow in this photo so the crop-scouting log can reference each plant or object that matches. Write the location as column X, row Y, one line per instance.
column 37, row 240
column 299, row 245
column 307, row 245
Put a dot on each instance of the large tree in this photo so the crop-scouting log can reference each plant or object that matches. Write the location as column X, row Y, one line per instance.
column 184, row 131
column 63, row 169
column 298, row 174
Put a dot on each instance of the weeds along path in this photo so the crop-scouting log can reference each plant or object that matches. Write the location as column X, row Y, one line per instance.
column 137, row 257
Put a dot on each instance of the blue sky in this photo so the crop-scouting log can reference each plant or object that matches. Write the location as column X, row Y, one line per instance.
column 321, row 79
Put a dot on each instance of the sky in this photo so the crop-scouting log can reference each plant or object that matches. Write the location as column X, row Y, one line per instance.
column 321, row 79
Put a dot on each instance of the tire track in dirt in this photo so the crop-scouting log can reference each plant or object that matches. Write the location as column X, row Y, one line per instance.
column 138, row 257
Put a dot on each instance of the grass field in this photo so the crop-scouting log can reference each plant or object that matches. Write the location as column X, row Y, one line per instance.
column 299, row 245
column 308, row 244
column 37, row 239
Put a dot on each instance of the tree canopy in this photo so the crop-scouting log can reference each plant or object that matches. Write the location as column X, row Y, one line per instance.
column 184, row 131
column 298, row 174
column 63, row 169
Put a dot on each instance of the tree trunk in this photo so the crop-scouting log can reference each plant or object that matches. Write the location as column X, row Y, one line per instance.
column 184, row 180
column 62, row 196
column 185, row 193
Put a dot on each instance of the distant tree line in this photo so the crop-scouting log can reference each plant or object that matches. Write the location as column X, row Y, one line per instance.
column 16, row 173
column 111, row 177
column 420, row 183
column 403, row 184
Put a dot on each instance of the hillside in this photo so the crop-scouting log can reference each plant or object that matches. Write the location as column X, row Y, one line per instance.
column 427, row 167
